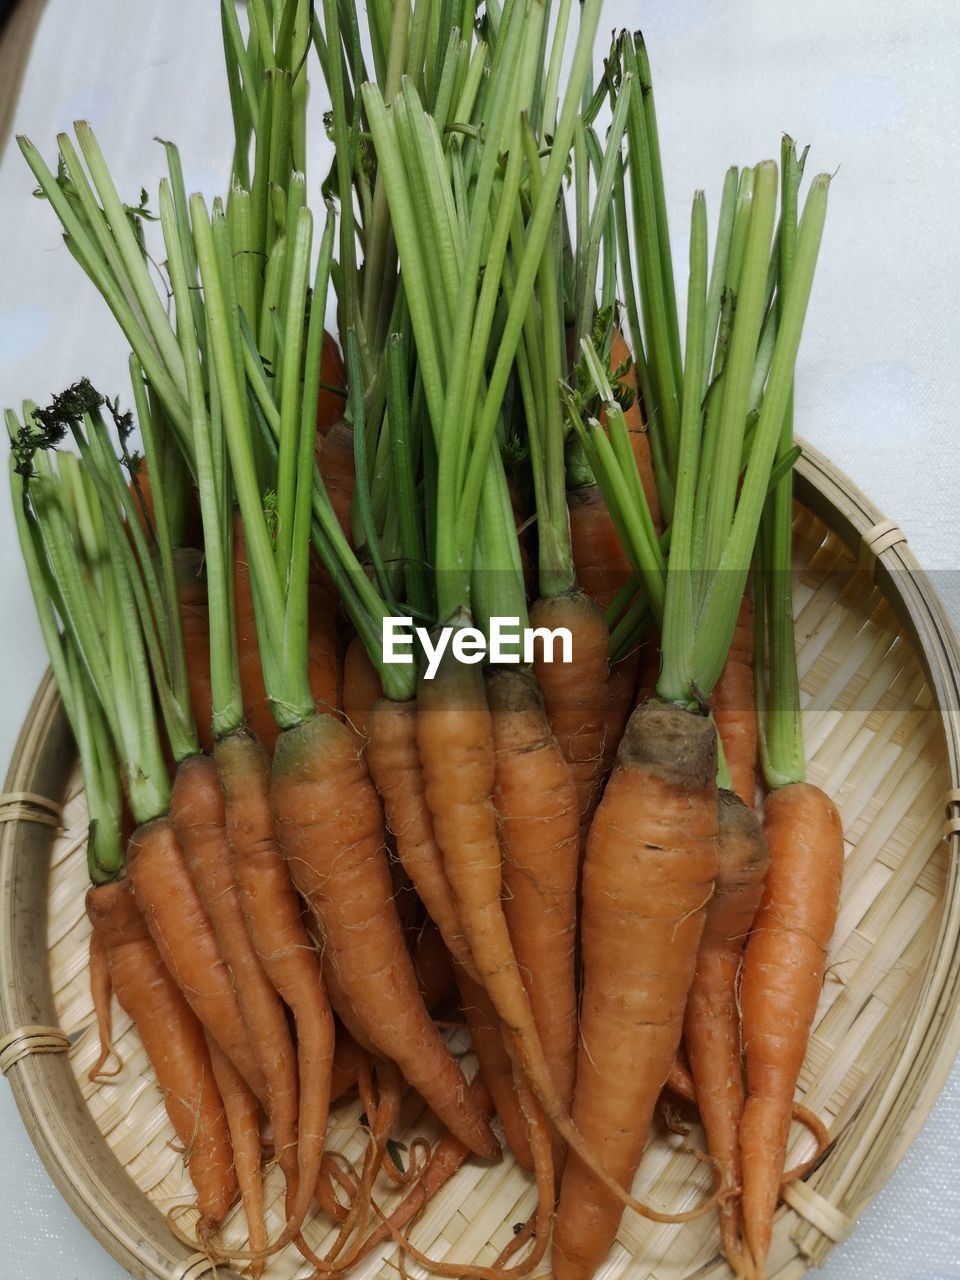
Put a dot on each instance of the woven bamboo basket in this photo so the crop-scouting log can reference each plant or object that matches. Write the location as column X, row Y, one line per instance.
column 880, row 676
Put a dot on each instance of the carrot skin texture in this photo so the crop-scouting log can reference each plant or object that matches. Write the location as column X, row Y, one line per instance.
column 198, row 814
column 575, row 693
column 185, row 937
column 496, row 1068
column 780, row 988
column 330, row 826
column 647, row 878
column 621, row 699
column 394, row 763
column 100, row 992
column 712, row 1018
column 174, row 1043
column 243, row 1121
column 603, row 567
column 536, row 799
column 734, row 710
column 272, row 911
column 361, row 687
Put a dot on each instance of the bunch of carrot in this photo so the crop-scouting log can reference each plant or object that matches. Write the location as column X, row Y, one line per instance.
column 330, row 844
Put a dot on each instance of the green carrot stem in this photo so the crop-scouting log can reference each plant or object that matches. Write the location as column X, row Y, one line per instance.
column 679, row 616
column 105, row 854
column 718, row 614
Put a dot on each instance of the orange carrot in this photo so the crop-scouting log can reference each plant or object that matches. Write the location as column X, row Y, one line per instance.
column 446, row 1159
column 434, row 967
column 332, row 374
column 712, row 1019
column 185, row 938
column 496, row 1069
column 539, row 834
column 347, row 1059
column 647, row 877
column 272, row 911
column 603, row 567
column 100, row 990
column 330, row 826
column 680, row 1083
column 649, row 671
column 394, row 763
column 335, row 460
column 195, row 622
column 733, row 708
column 782, row 976
column 174, row 1043
column 361, row 686
column 575, row 692
column 243, row 1122
column 621, row 699
column 322, row 661
column 198, row 814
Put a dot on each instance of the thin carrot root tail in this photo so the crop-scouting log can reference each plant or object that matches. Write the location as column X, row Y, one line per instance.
column 821, row 1136
column 763, row 1133
column 101, row 991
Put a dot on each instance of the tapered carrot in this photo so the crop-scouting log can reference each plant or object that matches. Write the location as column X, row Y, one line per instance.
column 496, row 1068
column 336, row 462
column 780, row 988
column 680, row 1084
column 785, row 959
column 394, row 763
column 734, row 710
column 198, row 814
column 185, row 937
column 174, row 1043
column 603, row 567
column 329, row 823
column 536, row 801
column 575, row 692
column 361, row 686
column 243, row 1121
column 272, row 911
column 647, row 878
column 446, row 1159
column 712, row 1019
column 100, row 991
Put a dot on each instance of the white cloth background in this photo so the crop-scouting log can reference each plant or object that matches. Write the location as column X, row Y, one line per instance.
column 872, row 84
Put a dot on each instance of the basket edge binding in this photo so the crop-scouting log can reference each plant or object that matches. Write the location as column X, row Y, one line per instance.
column 874, row 1143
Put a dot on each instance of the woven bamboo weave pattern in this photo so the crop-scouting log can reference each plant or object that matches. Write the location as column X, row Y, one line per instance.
column 875, row 743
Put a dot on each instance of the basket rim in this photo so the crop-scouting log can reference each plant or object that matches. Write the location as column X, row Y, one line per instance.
column 93, row 1189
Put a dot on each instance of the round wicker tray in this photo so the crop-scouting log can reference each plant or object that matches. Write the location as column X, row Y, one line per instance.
column 880, row 676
